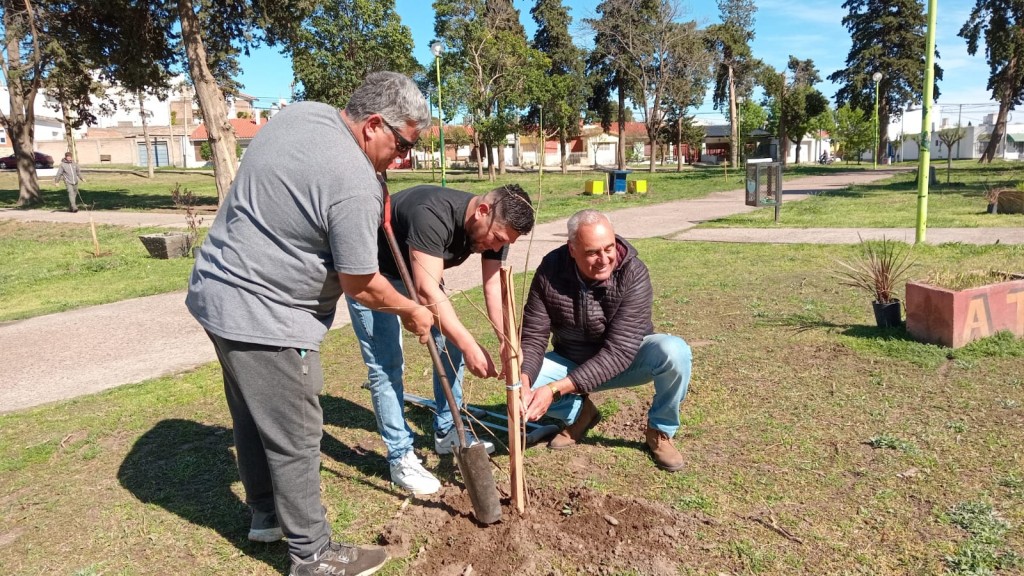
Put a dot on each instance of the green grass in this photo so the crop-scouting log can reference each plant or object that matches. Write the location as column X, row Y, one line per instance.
column 118, row 191
column 776, row 420
column 51, row 268
column 892, row 203
column 557, row 195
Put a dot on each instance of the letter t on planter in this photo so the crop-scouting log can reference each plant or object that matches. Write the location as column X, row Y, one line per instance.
column 955, row 318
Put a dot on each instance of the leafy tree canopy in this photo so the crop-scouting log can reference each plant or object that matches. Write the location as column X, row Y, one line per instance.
column 342, row 41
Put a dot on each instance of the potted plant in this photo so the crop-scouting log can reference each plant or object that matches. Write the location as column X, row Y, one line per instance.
column 956, row 309
column 186, row 201
column 176, row 244
column 883, row 266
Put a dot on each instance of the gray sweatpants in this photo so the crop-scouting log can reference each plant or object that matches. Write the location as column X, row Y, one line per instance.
column 272, row 394
column 72, row 195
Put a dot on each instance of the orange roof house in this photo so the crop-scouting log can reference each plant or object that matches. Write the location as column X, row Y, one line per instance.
column 245, row 129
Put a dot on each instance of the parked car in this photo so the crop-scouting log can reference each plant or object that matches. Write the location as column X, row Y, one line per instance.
column 11, row 162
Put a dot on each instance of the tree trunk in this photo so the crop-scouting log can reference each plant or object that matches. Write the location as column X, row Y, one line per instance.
column 563, row 146
column 479, row 153
column 20, row 122
column 679, row 144
column 211, row 101
column 69, row 134
column 733, row 128
column 490, row 161
column 501, row 156
column 620, row 147
column 145, row 134
column 651, row 167
column 997, row 134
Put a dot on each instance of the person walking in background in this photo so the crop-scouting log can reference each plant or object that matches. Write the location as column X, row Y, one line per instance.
column 592, row 297
column 436, row 229
column 72, row 175
column 296, row 231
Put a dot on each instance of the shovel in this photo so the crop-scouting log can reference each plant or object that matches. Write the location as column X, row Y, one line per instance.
column 472, row 460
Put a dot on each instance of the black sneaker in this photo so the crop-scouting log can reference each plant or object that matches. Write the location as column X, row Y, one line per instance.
column 338, row 559
column 264, row 527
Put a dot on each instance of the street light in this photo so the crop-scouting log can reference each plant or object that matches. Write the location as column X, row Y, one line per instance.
column 430, row 101
column 877, row 76
column 436, row 48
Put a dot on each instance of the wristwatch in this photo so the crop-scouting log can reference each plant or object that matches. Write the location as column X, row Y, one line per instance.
column 555, row 393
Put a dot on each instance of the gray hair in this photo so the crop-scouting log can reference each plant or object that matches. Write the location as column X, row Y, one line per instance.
column 392, row 95
column 587, row 217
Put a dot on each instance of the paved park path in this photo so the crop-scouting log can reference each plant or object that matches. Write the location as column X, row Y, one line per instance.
column 59, row 356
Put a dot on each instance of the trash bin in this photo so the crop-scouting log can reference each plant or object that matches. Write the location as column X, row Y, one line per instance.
column 617, row 181
column 764, row 184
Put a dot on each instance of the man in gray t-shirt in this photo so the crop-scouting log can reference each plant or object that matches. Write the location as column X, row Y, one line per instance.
column 297, row 230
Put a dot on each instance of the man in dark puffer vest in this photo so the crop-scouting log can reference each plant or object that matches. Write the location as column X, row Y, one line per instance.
column 593, row 297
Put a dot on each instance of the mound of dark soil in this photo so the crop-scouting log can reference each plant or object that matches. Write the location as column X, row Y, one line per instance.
column 578, row 530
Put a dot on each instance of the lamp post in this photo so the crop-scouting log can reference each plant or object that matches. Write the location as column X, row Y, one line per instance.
column 877, row 76
column 436, row 48
column 431, row 102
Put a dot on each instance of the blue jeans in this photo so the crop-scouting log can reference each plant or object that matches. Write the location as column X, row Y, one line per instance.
column 664, row 358
column 380, row 340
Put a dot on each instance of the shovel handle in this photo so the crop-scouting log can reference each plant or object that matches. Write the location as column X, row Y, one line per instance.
column 403, row 271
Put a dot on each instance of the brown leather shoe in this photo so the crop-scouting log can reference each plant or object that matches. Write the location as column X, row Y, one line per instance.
column 665, row 454
column 588, row 418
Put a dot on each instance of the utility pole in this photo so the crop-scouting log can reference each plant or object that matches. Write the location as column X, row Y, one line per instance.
column 959, row 116
column 926, row 118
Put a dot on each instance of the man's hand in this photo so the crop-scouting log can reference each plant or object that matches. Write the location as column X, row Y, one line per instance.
column 417, row 320
column 540, row 401
column 506, row 358
column 525, row 393
column 479, row 362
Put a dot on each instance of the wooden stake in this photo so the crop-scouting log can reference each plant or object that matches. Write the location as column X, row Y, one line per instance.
column 95, row 240
column 514, row 401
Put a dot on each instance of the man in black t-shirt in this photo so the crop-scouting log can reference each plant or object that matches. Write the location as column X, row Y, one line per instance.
column 437, row 228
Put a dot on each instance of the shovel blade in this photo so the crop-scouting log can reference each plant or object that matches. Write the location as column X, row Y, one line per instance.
column 476, row 472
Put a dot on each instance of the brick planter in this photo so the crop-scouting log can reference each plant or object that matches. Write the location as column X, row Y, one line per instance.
column 955, row 318
column 165, row 245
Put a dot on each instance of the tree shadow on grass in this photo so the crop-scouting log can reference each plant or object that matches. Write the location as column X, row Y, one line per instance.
column 897, row 333
column 187, row 468
column 342, row 412
column 105, row 199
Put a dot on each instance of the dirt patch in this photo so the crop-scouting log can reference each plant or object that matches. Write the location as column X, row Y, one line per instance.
column 579, row 530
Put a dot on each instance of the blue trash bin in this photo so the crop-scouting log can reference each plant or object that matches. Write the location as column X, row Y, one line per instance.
column 617, row 181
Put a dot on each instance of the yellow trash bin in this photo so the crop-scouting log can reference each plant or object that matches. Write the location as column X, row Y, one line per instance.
column 636, row 187
column 591, row 187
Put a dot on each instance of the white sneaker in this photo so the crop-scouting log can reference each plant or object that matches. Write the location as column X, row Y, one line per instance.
column 446, row 444
column 408, row 474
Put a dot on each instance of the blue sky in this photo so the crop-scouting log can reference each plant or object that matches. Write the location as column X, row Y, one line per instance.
column 806, row 29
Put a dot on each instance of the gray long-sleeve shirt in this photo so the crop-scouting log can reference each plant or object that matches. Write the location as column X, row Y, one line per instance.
column 69, row 171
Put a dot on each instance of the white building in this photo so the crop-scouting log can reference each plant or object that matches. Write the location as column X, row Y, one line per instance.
column 49, row 126
column 971, row 146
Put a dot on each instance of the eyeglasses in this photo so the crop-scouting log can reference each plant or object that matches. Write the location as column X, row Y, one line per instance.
column 402, row 146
